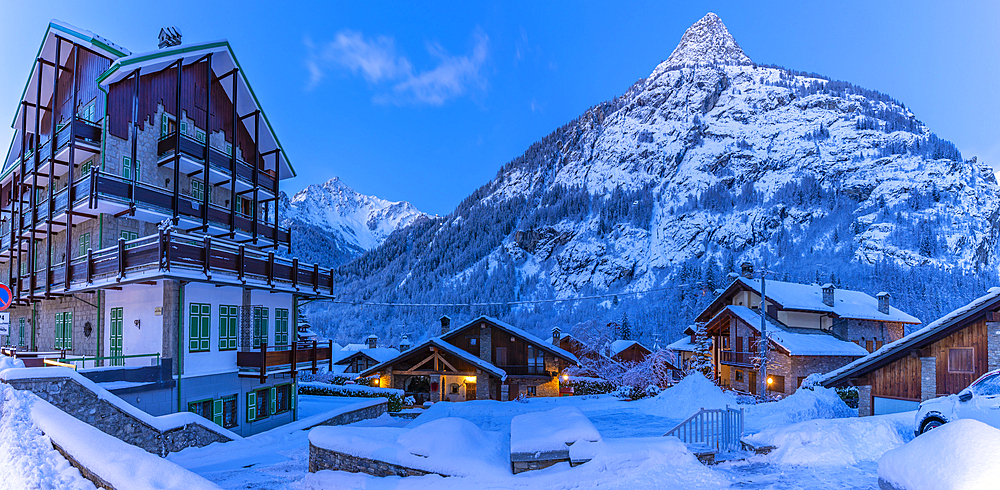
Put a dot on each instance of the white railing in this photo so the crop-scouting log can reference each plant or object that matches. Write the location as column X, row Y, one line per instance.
column 717, row 429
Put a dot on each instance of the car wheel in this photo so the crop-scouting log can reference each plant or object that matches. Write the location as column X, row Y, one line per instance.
column 931, row 424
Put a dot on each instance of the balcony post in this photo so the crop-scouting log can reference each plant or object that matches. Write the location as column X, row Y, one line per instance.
column 232, row 162
column 176, row 202
column 295, row 347
column 121, row 259
column 277, row 178
column 331, row 281
column 263, row 361
column 207, row 267
column 90, row 266
column 166, row 252
column 295, row 273
column 70, row 194
column 255, row 176
column 314, row 357
column 208, row 139
column 135, row 138
column 315, row 278
column 52, row 167
column 270, row 269
column 331, row 355
column 241, row 262
column 33, row 197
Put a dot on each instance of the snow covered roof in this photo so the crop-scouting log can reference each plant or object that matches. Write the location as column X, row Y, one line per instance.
column 807, row 297
column 797, row 341
column 517, row 332
column 378, row 354
column 441, row 344
column 562, row 336
column 683, row 344
column 892, row 351
column 620, row 345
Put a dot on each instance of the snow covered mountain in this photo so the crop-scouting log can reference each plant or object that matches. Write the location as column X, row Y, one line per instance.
column 333, row 223
column 709, row 161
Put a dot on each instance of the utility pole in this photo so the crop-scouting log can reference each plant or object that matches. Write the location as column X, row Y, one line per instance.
column 763, row 333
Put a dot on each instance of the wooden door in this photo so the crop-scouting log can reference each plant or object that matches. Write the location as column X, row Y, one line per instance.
column 470, row 390
column 753, row 381
column 116, row 337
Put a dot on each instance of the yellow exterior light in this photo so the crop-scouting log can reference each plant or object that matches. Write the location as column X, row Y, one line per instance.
column 470, row 379
column 770, row 380
column 565, row 377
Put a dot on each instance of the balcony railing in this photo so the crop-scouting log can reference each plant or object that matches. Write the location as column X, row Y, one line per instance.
column 264, row 357
column 526, row 370
column 195, row 150
column 737, row 358
column 86, row 131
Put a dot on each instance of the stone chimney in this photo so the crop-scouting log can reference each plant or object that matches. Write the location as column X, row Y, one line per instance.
column 404, row 343
column 372, row 341
column 445, row 324
column 746, row 270
column 556, row 336
column 828, row 294
column 883, row 302
column 169, row 36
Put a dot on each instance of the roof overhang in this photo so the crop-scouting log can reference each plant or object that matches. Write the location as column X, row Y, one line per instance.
column 447, row 347
column 223, row 61
column 546, row 346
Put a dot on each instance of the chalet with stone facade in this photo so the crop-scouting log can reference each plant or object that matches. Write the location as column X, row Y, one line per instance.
column 141, row 226
column 942, row 358
column 485, row 359
column 355, row 358
column 810, row 329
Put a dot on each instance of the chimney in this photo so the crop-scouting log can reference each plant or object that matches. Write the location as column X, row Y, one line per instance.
column 372, row 341
column 556, row 336
column 746, row 269
column 883, row 302
column 828, row 294
column 445, row 324
column 169, row 36
column 404, row 343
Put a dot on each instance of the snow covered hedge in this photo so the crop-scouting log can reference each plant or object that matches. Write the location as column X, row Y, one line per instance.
column 337, row 379
column 394, row 396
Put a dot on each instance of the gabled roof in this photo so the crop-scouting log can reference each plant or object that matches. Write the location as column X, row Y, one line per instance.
column 445, row 346
column 936, row 330
column 378, row 354
column 620, row 345
column 683, row 344
column 807, row 297
column 517, row 332
column 795, row 341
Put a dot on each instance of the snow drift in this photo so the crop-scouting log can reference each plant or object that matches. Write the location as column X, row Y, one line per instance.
column 957, row 455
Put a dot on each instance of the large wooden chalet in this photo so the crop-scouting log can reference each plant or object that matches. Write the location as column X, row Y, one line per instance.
column 811, row 329
column 942, row 358
column 485, row 359
column 140, row 225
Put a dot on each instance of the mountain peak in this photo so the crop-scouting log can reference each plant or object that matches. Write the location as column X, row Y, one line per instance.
column 707, row 42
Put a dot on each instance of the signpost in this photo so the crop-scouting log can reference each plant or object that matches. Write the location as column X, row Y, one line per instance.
column 5, row 299
column 4, row 323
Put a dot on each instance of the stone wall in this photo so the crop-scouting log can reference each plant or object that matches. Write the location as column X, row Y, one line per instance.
column 73, row 398
column 864, row 400
column 371, row 412
column 992, row 344
column 324, row 459
column 928, row 378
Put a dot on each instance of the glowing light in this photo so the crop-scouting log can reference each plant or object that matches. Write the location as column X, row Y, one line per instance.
column 565, row 377
column 470, row 379
column 770, row 380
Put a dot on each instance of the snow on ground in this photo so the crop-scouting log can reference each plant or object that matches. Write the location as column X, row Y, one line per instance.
column 957, row 455
column 551, row 430
column 27, row 459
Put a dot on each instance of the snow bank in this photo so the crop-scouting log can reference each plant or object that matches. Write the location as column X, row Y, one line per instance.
column 957, row 455
column 804, row 404
column 836, row 442
column 28, row 459
column 682, row 400
column 116, row 462
column 10, row 362
column 551, row 430
column 450, row 446
column 161, row 423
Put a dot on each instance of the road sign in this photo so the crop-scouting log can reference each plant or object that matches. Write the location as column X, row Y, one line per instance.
column 5, row 323
column 5, row 297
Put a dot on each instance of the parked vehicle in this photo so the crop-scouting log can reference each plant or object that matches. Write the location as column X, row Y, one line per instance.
column 980, row 401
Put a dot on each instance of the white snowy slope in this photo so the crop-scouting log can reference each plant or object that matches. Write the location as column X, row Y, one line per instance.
column 355, row 221
column 710, row 157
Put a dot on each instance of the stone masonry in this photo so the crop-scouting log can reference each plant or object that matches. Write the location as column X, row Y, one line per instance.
column 864, row 400
column 928, row 378
column 324, row 459
column 993, row 343
column 371, row 412
column 73, row 398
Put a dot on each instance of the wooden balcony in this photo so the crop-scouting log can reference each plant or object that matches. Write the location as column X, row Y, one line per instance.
column 87, row 132
column 284, row 358
column 217, row 160
column 742, row 359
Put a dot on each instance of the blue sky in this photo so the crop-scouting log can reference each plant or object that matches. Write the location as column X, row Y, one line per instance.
column 426, row 103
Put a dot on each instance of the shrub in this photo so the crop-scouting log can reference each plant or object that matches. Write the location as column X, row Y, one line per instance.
column 850, row 395
column 583, row 387
column 323, row 389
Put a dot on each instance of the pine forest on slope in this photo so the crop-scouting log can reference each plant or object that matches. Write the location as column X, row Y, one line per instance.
column 709, row 161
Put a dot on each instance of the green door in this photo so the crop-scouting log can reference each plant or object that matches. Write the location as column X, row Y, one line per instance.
column 116, row 337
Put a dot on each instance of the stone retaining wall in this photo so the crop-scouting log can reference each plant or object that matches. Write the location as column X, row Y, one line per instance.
column 324, row 459
column 90, row 475
column 73, row 398
column 371, row 412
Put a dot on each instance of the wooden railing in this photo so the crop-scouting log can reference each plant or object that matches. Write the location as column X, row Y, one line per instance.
column 717, row 430
column 737, row 358
column 265, row 357
column 195, row 150
column 86, row 131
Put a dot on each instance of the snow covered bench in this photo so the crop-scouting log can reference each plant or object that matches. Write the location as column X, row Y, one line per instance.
column 541, row 439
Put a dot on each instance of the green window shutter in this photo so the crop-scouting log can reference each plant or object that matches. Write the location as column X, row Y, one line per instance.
column 274, row 395
column 292, row 396
column 164, row 123
column 251, row 406
column 217, row 412
column 223, row 328
column 68, row 330
column 127, row 168
column 193, row 337
column 184, row 127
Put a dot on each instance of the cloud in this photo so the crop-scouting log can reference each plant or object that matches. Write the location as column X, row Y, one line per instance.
column 392, row 75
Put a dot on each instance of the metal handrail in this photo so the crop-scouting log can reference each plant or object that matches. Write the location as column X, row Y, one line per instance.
column 85, row 359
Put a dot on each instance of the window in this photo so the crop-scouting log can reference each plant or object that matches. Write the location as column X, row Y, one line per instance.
column 259, row 402
column 199, row 326
column 280, row 326
column 84, row 244
column 197, row 190
column 129, row 171
column 229, row 411
column 85, row 168
column 129, row 236
column 536, row 361
column 472, row 341
column 166, row 125
column 64, row 330
column 203, row 408
column 776, row 383
column 870, row 345
column 243, row 206
column 227, row 327
column 800, row 380
column 961, row 360
column 20, row 331
column 199, row 135
column 184, row 127
column 283, row 399
column 739, row 375
column 988, row 386
column 260, row 325
column 531, row 390
column 89, row 112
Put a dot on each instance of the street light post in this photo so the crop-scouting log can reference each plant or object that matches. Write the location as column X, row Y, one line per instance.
column 763, row 333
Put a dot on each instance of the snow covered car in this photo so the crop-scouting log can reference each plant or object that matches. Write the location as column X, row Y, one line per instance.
column 980, row 401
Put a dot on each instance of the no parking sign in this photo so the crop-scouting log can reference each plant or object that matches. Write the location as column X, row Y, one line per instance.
column 5, row 299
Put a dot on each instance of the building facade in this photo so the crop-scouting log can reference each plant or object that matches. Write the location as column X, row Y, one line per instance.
column 140, row 230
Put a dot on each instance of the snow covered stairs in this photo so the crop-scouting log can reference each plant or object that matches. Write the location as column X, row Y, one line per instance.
column 710, row 432
column 541, row 439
